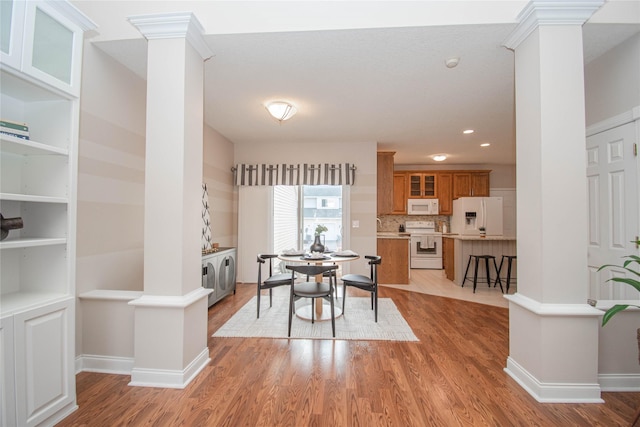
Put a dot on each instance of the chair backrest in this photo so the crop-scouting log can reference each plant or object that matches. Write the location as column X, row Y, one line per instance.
column 374, row 261
column 262, row 258
column 311, row 270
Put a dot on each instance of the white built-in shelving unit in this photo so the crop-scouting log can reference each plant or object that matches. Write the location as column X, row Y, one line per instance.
column 39, row 85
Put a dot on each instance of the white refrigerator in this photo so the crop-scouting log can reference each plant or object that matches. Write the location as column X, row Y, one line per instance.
column 471, row 213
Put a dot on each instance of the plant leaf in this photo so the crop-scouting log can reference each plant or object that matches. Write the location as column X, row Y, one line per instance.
column 612, row 311
column 627, row 280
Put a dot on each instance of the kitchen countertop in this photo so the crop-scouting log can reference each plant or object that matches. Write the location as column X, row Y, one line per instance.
column 392, row 235
column 459, row 237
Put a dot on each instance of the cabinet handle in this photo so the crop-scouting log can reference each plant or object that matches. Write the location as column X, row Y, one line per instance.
column 226, row 262
column 204, row 270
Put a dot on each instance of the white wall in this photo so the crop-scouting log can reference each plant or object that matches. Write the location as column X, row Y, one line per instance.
column 218, row 161
column 253, row 203
column 612, row 82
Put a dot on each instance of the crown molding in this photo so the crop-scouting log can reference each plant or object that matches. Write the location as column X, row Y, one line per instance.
column 538, row 13
column 173, row 25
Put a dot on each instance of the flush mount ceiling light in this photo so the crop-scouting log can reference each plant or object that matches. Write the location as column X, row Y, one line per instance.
column 486, row 144
column 439, row 157
column 468, row 131
column 281, row 110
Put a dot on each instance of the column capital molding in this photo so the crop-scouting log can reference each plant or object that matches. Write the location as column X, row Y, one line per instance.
column 545, row 12
column 173, row 25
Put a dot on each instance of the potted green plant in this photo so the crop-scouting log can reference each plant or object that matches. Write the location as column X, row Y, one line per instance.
column 317, row 245
column 631, row 260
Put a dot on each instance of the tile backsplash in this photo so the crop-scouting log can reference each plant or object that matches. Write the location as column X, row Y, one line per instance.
column 391, row 223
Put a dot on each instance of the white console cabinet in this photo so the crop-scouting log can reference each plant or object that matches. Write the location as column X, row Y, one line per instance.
column 40, row 64
column 219, row 273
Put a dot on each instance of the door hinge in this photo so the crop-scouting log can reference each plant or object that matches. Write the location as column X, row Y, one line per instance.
column 635, row 149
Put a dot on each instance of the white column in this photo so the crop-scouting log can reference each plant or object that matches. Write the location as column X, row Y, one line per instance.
column 171, row 317
column 553, row 331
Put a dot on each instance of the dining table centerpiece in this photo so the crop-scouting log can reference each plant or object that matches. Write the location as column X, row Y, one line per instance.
column 317, row 245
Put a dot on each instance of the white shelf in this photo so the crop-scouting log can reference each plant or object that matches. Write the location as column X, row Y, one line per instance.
column 21, row 301
column 32, row 198
column 31, row 242
column 15, row 145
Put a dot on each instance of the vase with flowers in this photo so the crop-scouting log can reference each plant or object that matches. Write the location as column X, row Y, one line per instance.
column 317, row 245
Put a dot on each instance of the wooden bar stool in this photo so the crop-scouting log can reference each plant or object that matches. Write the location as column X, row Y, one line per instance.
column 510, row 259
column 487, row 279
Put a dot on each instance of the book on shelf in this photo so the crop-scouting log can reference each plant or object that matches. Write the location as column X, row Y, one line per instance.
column 12, row 124
column 4, row 132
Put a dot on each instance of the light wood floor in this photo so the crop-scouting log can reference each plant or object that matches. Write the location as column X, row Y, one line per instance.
column 453, row 377
column 434, row 282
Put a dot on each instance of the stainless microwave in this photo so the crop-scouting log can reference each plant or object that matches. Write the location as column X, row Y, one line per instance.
column 423, row 207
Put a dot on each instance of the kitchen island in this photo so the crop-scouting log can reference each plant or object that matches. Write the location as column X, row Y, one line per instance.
column 457, row 249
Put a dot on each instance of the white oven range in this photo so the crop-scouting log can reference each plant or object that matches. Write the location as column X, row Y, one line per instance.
column 426, row 245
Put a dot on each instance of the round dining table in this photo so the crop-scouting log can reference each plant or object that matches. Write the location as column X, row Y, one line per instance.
column 306, row 311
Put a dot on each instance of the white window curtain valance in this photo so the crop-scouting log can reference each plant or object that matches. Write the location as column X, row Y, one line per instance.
column 294, row 174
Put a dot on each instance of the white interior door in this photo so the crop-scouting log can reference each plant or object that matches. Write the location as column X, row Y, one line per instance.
column 612, row 185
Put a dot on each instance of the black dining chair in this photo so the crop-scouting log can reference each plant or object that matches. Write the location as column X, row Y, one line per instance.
column 312, row 289
column 272, row 281
column 360, row 281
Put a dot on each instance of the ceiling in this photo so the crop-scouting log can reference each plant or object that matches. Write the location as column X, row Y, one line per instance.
column 388, row 85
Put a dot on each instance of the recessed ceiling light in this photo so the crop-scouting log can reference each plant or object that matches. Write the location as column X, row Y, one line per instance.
column 486, row 144
column 468, row 131
column 439, row 157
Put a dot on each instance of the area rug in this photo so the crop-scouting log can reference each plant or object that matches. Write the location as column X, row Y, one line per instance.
column 357, row 324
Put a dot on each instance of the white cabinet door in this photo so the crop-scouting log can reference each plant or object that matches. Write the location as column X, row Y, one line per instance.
column 11, row 28
column 7, row 374
column 52, row 45
column 44, row 354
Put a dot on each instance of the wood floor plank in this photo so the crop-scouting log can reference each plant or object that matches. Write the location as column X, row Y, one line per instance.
column 454, row 376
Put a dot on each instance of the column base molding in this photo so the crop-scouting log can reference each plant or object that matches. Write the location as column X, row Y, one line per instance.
column 552, row 392
column 142, row 377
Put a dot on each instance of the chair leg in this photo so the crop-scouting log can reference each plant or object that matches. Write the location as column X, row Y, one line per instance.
column 290, row 310
column 499, row 271
column 486, row 267
column 333, row 316
column 371, row 300
column 498, row 276
column 344, row 296
column 509, row 282
column 258, row 314
column 465, row 272
column 270, row 297
column 313, row 310
column 475, row 277
column 375, row 292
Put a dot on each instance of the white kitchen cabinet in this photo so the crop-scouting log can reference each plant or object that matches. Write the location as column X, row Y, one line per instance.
column 40, row 87
column 219, row 273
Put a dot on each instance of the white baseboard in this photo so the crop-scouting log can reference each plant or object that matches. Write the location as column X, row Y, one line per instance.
column 142, row 377
column 104, row 364
column 553, row 392
column 619, row 382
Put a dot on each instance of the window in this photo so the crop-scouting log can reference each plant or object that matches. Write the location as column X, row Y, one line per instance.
column 298, row 210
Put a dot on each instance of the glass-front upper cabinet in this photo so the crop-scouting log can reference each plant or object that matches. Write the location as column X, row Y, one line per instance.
column 422, row 185
column 38, row 39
